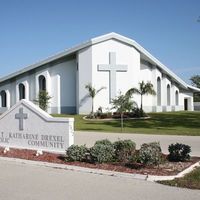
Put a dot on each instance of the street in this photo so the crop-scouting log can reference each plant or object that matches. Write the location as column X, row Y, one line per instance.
column 24, row 181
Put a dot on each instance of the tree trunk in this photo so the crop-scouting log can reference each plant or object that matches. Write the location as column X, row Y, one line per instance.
column 92, row 108
column 122, row 122
column 141, row 107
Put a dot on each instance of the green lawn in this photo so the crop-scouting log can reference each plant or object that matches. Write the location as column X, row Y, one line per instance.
column 191, row 180
column 172, row 123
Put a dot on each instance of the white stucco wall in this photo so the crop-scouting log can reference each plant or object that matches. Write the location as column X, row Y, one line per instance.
column 32, row 87
column 66, row 79
column 84, row 76
column 125, row 55
column 63, row 87
column 25, row 81
column 7, row 89
column 148, row 74
column 60, row 84
column 188, row 96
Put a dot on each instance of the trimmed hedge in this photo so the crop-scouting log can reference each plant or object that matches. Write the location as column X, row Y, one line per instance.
column 124, row 150
column 179, row 152
column 150, row 154
column 76, row 153
column 103, row 151
column 103, row 142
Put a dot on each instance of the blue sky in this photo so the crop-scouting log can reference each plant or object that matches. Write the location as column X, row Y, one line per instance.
column 33, row 30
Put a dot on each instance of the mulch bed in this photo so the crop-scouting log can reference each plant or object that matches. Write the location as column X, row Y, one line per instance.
column 165, row 169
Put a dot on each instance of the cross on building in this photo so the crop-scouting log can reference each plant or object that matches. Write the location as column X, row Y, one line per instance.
column 21, row 116
column 112, row 68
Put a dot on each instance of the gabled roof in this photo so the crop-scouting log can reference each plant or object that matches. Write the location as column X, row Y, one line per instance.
column 97, row 40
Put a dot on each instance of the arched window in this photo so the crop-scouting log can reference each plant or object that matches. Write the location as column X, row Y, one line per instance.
column 42, row 83
column 168, row 95
column 22, row 94
column 158, row 91
column 176, row 98
column 3, row 98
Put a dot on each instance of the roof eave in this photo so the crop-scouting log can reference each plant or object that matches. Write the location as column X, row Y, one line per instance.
column 96, row 41
column 194, row 89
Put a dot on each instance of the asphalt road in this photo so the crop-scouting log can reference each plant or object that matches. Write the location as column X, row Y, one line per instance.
column 27, row 182
column 89, row 139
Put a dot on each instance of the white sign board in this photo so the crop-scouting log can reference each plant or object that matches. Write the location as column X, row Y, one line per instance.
column 27, row 126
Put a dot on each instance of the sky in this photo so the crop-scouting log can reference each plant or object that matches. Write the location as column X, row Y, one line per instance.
column 31, row 30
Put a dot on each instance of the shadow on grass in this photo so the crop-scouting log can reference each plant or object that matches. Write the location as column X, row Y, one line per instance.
column 180, row 123
column 168, row 121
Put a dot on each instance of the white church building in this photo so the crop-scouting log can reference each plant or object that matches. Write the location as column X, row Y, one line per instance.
column 113, row 61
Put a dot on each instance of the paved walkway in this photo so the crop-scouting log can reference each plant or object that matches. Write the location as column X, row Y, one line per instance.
column 89, row 139
column 23, row 181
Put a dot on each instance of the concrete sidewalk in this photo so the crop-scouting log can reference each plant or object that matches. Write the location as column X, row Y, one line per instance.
column 89, row 139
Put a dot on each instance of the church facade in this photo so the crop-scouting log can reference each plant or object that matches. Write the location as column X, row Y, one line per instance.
column 113, row 61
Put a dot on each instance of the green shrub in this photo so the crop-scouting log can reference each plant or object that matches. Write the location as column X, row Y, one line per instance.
column 102, row 151
column 104, row 142
column 150, row 154
column 43, row 99
column 76, row 153
column 179, row 152
column 124, row 150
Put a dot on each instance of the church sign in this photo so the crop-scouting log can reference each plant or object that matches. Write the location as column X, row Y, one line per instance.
column 26, row 126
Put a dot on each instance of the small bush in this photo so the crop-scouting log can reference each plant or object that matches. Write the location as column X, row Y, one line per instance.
column 179, row 152
column 150, row 154
column 104, row 142
column 76, row 153
column 124, row 150
column 102, row 151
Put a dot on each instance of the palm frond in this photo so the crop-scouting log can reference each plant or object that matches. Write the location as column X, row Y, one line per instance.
column 100, row 89
column 149, row 89
column 132, row 91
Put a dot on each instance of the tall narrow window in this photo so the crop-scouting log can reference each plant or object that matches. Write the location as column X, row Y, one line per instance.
column 158, row 91
column 168, row 95
column 22, row 94
column 42, row 83
column 3, row 99
column 176, row 98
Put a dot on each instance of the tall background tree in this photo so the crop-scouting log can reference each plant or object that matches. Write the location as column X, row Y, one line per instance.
column 92, row 92
column 144, row 89
column 195, row 80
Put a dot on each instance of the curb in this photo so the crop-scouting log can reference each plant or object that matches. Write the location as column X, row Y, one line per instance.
column 179, row 175
column 150, row 178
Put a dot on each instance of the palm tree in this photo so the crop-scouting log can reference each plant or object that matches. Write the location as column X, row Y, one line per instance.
column 92, row 92
column 144, row 89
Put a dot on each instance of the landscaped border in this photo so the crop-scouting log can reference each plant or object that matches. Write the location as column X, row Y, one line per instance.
column 150, row 178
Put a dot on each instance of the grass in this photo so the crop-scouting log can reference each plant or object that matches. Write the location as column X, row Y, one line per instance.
column 191, row 180
column 170, row 123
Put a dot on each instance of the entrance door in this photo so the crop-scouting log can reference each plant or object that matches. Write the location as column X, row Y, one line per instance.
column 185, row 104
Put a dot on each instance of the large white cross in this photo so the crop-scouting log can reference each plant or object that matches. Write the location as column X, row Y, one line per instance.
column 112, row 68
